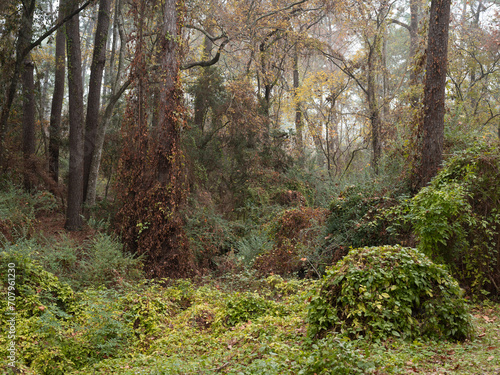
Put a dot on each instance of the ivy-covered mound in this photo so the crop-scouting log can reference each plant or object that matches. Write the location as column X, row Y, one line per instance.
column 389, row 291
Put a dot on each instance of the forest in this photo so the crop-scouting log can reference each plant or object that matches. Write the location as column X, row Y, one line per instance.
column 250, row 187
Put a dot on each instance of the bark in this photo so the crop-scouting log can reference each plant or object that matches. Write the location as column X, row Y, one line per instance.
column 95, row 85
column 414, row 11
column 75, row 87
column 28, row 123
column 200, row 101
column 57, row 103
column 434, row 92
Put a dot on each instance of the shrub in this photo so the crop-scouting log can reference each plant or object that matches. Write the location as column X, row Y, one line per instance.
column 359, row 217
column 457, row 218
column 296, row 234
column 389, row 291
column 209, row 235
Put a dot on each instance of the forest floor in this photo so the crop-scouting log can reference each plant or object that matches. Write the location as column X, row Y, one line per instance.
column 481, row 355
column 212, row 334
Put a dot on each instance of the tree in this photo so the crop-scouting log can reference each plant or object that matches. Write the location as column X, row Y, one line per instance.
column 75, row 87
column 57, row 102
column 434, row 91
column 94, row 96
column 151, row 174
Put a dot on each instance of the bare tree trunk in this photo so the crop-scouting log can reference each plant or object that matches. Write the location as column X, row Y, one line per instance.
column 28, row 123
column 95, row 84
column 75, row 87
column 434, row 94
column 57, row 102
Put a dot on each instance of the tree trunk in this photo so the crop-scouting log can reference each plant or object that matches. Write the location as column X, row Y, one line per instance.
column 57, row 102
column 299, row 125
column 75, row 87
column 373, row 109
column 90, row 198
column 28, row 123
column 23, row 43
column 434, row 92
column 95, row 84
column 414, row 11
column 169, row 97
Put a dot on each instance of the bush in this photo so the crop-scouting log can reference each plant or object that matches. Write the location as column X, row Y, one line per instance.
column 386, row 291
column 296, row 234
column 457, row 218
column 359, row 218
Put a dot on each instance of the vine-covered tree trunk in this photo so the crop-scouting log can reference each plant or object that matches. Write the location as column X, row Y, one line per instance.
column 151, row 186
column 75, row 87
column 95, row 84
column 434, row 91
column 57, row 102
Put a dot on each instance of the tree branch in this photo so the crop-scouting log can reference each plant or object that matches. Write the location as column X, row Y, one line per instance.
column 55, row 27
column 205, row 63
column 406, row 26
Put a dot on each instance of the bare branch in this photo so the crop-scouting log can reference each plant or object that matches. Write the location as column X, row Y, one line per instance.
column 206, row 63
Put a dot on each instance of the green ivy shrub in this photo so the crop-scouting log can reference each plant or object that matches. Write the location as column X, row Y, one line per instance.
column 386, row 291
column 457, row 218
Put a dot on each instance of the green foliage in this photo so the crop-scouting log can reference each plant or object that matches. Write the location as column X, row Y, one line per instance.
column 389, row 291
column 18, row 210
column 457, row 218
column 361, row 217
column 252, row 245
column 336, row 355
column 99, row 261
column 209, row 234
column 244, row 307
column 296, row 234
